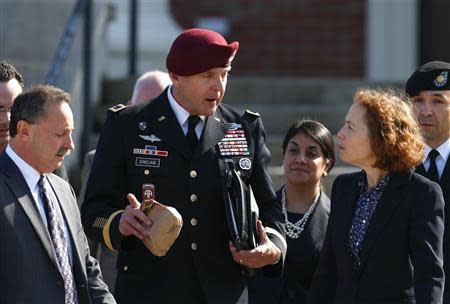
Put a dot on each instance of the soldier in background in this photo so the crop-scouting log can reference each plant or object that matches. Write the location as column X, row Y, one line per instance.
column 429, row 88
column 147, row 87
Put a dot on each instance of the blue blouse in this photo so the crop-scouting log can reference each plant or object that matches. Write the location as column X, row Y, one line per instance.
column 365, row 207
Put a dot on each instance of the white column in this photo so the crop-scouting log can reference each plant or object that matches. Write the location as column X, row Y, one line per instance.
column 391, row 39
column 156, row 29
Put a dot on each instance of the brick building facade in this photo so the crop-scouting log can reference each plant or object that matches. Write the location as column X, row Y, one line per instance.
column 287, row 37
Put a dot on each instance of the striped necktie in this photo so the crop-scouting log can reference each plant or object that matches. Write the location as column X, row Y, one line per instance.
column 55, row 228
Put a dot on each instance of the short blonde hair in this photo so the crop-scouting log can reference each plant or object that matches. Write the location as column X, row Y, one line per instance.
column 395, row 134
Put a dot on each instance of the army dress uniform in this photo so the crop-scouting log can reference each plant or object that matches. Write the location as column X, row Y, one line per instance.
column 199, row 267
column 434, row 76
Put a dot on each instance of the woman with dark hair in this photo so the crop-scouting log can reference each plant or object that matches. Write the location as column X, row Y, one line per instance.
column 384, row 236
column 308, row 155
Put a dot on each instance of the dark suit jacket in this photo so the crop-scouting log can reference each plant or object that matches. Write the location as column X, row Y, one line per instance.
column 301, row 262
column 401, row 255
column 444, row 182
column 199, row 266
column 28, row 265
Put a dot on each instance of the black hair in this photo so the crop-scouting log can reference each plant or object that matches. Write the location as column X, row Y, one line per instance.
column 32, row 105
column 318, row 132
column 8, row 72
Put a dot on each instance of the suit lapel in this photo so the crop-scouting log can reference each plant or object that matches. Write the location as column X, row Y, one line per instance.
column 445, row 178
column 389, row 201
column 66, row 206
column 348, row 199
column 18, row 185
column 420, row 169
column 320, row 215
column 164, row 124
column 212, row 133
column 444, row 181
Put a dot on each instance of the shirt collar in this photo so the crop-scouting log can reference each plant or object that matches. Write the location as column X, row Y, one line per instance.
column 443, row 149
column 180, row 113
column 29, row 173
column 362, row 183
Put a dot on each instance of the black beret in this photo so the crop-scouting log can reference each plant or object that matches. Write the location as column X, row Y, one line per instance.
column 432, row 76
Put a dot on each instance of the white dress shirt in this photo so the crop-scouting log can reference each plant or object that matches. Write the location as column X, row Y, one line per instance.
column 32, row 178
column 182, row 115
column 441, row 159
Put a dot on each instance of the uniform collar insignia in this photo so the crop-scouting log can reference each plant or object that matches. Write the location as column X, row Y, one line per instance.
column 142, row 125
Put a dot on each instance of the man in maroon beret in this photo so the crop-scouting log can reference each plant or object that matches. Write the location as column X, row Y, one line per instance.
column 183, row 146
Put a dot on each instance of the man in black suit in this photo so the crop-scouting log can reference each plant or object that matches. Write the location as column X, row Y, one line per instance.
column 429, row 88
column 44, row 254
column 178, row 145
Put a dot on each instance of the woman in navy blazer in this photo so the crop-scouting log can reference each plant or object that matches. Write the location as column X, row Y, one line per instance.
column 384, row 236
column 308, row 155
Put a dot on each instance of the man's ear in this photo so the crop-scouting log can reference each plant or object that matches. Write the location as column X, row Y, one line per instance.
column 175, row 79
column 23, row 129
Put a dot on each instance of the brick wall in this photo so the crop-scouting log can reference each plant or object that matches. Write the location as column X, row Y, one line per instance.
column 312, row 38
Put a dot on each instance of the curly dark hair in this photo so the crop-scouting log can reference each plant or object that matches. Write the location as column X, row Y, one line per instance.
column 395, row 134
column 8, row 72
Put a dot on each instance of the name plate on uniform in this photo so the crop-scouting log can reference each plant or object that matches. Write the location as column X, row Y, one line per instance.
column 147, row 162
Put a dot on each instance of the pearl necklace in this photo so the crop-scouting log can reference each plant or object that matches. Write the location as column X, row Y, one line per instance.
column 293, row 230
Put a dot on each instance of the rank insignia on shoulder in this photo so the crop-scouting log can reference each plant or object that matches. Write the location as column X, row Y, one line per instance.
column 117, row 108
column 253, row 113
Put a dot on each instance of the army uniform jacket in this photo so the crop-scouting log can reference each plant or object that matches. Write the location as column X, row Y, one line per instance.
column 199, row 267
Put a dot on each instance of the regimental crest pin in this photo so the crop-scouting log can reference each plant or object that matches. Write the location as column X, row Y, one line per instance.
column 245, row 163
column 142, row 125
column 441, row 80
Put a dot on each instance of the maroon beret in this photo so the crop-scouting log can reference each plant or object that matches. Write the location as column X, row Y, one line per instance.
column 198, row 50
